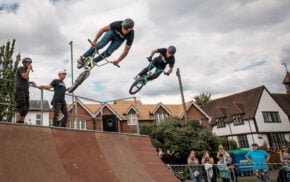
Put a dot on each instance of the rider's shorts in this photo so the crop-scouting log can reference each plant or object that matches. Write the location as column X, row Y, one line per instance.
column 22, row 102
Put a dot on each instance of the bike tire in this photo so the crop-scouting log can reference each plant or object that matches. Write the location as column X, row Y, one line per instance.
column 137, row 86
column 80, row 79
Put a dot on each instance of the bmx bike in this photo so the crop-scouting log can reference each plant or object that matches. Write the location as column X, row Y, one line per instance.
column 88, row 65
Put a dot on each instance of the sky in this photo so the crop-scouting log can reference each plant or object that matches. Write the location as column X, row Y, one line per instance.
column 223, row 47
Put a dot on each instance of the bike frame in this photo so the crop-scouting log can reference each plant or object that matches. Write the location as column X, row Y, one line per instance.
column 151, row 65
column 90, row 60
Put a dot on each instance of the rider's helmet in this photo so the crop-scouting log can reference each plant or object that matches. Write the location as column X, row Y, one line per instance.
column 171, row 50
column 128, row 23
column 26, row 60
column 62, row 72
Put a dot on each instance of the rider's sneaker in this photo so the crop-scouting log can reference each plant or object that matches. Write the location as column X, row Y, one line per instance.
column 81, row 62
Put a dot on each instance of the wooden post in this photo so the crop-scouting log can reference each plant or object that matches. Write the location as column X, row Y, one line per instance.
column 181, row 93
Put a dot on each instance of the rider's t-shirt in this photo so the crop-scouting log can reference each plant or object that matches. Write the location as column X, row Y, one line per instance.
column 116, row 27
column 21, row 83
column 259, row 159
column 161, row 61
column 59, row 90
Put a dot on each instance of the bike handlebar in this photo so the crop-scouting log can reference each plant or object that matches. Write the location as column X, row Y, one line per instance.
column 102, row 55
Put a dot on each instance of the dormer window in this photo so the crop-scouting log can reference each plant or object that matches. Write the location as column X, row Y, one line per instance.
column 132, row 119
column 220, row 122
column 238, row 119
column 160, row 117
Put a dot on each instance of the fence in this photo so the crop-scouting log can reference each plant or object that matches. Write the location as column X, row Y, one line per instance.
column 84, row 113
column 241, row 172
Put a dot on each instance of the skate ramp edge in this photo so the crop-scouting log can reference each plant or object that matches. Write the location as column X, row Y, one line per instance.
column 34, row 153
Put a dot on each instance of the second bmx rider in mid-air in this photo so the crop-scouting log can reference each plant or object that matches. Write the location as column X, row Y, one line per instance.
column 116, row 33
column 166, row 56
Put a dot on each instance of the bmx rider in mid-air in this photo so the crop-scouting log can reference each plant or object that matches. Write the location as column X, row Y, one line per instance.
column 116, row 33
column 166, row 56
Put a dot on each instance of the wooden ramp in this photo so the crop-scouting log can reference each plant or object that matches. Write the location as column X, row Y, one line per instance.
column 32, row 153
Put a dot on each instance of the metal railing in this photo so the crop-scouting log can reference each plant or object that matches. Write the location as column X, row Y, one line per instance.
column 242, row 172
column 72, row 101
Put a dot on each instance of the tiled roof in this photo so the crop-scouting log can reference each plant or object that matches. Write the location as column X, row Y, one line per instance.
column 144, row 110
column 35, row 105
column 241, row 103
column 284, row 102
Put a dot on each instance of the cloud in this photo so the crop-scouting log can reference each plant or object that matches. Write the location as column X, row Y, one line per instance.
column 222, row 46
column 251, row 66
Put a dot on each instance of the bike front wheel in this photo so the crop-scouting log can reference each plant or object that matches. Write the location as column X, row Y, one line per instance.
column 136, row 86
column 81, row 78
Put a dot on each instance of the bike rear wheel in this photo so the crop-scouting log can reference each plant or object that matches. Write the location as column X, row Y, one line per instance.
column 137, row 86
column 80, row 79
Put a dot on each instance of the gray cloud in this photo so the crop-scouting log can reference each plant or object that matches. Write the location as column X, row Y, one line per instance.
column 213, row 39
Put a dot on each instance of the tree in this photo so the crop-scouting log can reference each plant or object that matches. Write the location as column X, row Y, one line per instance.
column 202, row 99
column 177, row 138
column 8, row 68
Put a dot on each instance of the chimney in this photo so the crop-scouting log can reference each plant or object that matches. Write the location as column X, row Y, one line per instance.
column 286, row 82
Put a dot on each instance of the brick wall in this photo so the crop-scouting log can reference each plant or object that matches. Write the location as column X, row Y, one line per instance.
column 194, row 114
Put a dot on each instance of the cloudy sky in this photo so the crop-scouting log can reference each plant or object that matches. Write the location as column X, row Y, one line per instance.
column 223, row 47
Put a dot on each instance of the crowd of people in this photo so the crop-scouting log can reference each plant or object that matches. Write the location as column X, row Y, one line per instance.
column 209, row 170
column 206, row 169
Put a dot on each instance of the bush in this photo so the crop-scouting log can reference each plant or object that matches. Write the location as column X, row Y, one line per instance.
column 177, row 138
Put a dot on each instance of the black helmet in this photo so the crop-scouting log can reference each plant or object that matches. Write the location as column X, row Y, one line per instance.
column 128, row 23
column 26, row 60
column 171, row 50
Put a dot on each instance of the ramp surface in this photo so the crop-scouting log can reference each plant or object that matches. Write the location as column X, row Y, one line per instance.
column 31, row 153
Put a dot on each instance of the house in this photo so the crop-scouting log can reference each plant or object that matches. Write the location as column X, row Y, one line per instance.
column 126, row 115
column 252, row 116
column 35, row 116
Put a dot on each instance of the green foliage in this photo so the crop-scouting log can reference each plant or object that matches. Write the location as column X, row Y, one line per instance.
column 202, row 99
column 228, row 144
column 8, row 69
column 146, row 128
column 178, row 138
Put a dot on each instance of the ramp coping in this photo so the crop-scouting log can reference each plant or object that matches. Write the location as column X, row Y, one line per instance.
column 71, row 129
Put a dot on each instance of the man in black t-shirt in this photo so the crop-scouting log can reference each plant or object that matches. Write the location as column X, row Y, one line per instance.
column 166, row 56
column 116, row 33
column 58, row 101
column 22, row 89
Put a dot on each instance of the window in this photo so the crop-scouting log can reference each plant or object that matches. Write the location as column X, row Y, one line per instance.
column 159, row 117
column 243, row 141
column 132, row 119
column 277, row 140
column 271, row 117
column 78, row 125
column 220, row 122
column 38, row 119
column 238, row 119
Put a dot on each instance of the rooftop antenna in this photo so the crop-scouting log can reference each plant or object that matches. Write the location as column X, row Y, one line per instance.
column 284, row 64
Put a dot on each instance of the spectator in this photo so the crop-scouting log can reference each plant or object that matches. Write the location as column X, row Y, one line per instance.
column 231, row 166
column 58, row 101
column 208, row 162
column 223, row 153
column 259, row 159
column 194, row 171
column 160, row 153
column 285, row 169
column 223, row 169
column 22, row 89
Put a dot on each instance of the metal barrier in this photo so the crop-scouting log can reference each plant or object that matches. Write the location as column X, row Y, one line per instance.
column 231, row 173
column 78, row 119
